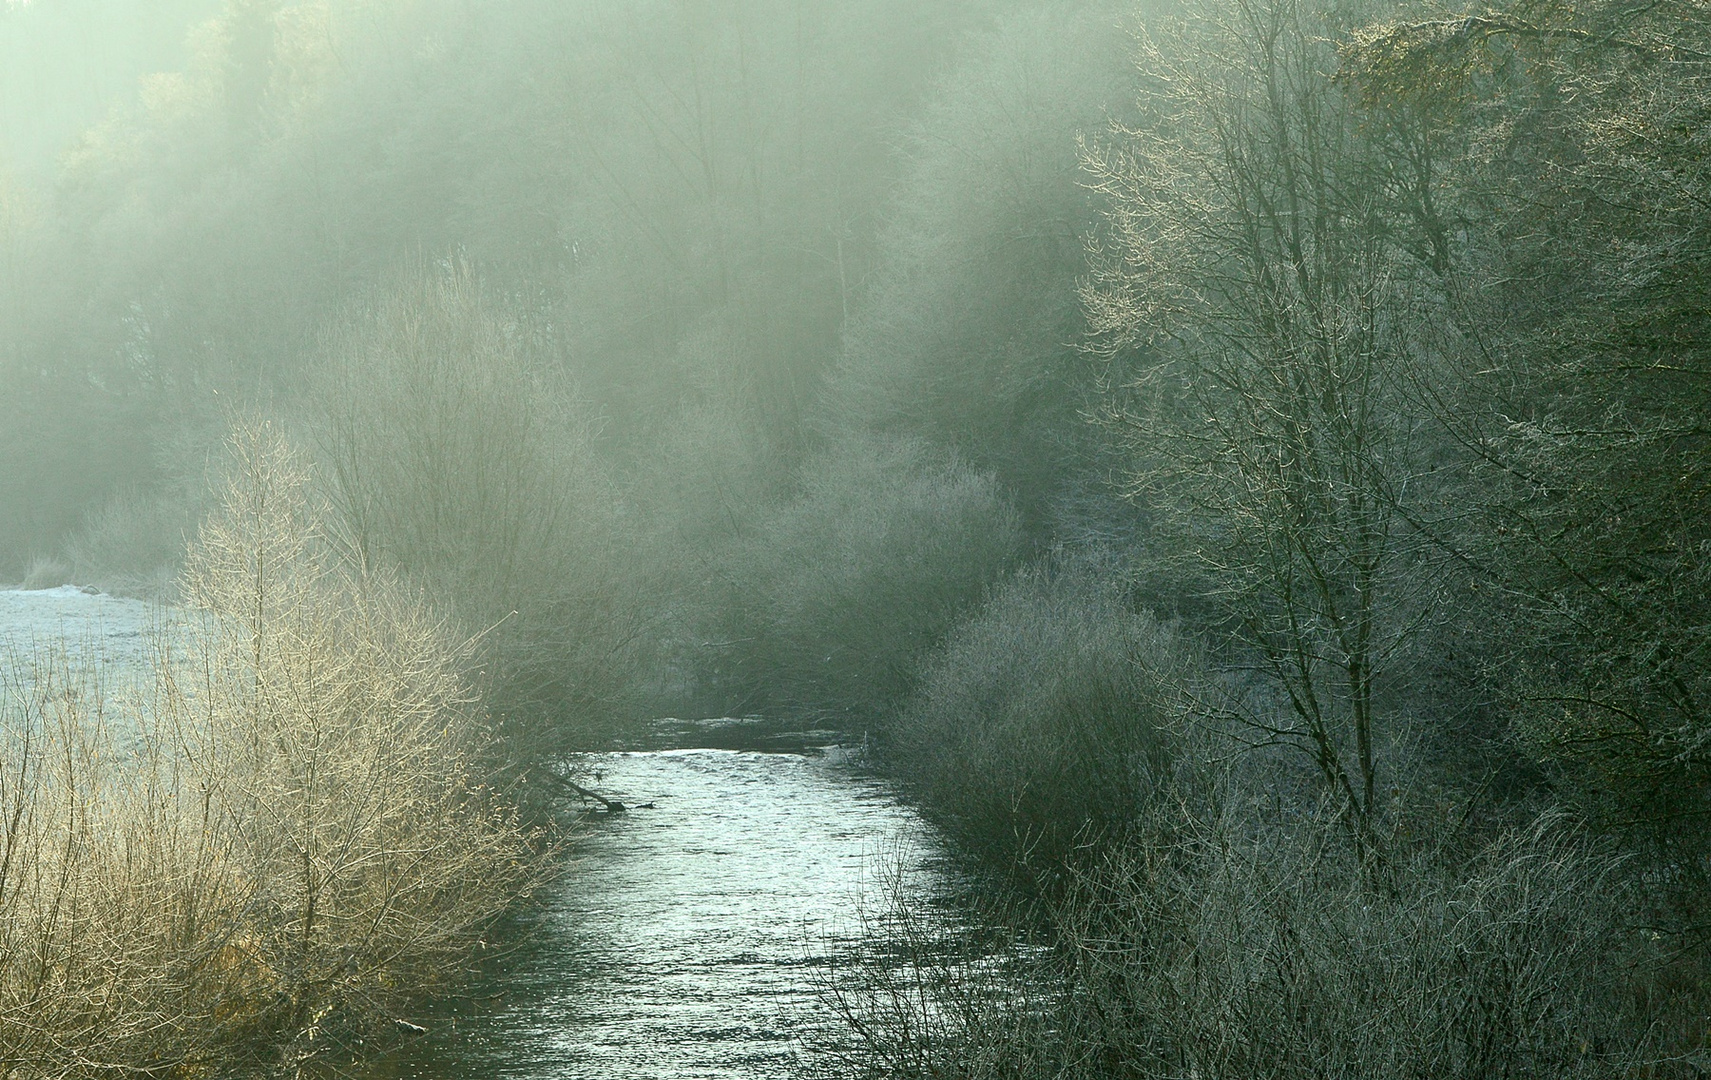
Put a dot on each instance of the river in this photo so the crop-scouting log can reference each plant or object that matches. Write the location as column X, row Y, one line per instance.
column 695, row 932
column 691, row 936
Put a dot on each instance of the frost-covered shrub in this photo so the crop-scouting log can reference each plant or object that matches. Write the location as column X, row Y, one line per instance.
column 1047, row 717
column 835, row 598
column 279, row 835
column 1257, row 950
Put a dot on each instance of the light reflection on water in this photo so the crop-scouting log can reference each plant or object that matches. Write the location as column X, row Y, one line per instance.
column 690, row 940
column 71, row 644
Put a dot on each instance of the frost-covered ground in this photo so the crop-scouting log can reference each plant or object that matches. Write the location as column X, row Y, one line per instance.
column 70, row 627
column 92, row 626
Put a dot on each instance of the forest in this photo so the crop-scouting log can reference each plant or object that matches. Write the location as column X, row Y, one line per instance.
column 1245, row 465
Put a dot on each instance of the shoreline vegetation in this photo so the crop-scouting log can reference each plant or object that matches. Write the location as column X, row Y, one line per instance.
column 1243, row 462
column 282, row 835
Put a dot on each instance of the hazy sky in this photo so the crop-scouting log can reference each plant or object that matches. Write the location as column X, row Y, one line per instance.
column 63, row 63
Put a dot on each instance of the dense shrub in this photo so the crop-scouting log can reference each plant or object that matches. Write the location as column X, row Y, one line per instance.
column 121, row 938
column 277, row 838
column 833, row 600
column 462, row 462
column 1586, row 346
column 45, row 572
column 1264, row 368
column 1249, row 946
column 968, row 333
column 196, row 242
column 1047, row 718
column 133, row 544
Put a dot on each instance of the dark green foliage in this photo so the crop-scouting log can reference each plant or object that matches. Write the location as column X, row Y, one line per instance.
column 1606, row 528
column 732, row 357
column 1413, row 313
column 1257, row 314
column 1582, row 283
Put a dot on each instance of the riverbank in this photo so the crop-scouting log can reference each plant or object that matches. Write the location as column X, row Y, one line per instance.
column 241, row 847
column 695, row 937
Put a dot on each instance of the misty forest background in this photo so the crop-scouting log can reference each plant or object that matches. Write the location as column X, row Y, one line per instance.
column 1243, row 461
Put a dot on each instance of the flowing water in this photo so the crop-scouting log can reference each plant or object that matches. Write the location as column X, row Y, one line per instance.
column 695, row 932
column 692, row 935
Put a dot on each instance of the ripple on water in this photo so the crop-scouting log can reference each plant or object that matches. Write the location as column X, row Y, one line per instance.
column 690, row 939
column 90, row 625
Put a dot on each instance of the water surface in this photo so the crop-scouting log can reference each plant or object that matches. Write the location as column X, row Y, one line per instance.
column 693, row 937
column 107, row 631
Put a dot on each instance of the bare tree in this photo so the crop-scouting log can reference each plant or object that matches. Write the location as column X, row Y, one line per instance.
column 1255, row 308
column 278, row 836
column 462, row 462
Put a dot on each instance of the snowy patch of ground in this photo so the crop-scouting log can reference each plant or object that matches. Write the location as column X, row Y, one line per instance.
column 113, row 636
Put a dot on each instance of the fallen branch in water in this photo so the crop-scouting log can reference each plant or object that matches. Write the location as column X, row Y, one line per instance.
column 612, row 806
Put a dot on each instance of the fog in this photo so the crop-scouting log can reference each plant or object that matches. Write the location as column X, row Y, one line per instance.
column 1231, row 463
